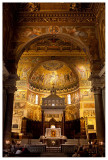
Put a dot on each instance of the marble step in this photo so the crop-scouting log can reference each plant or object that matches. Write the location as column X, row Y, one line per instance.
column 53, row 149
column 53, row 154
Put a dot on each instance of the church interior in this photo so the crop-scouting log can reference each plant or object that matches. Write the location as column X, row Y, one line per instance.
column 53, row 79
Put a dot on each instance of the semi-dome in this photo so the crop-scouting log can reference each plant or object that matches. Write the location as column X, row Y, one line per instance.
column 53, row 73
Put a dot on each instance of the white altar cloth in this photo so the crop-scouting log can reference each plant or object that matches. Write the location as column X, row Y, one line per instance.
column 53, row 132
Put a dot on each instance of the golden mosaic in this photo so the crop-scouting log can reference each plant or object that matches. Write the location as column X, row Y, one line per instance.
column 53, row 73
column 52, row 65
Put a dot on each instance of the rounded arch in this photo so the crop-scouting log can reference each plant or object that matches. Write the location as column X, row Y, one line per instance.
column 72, row 39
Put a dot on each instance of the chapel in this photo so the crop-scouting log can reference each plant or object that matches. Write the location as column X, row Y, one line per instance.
column 53, row 77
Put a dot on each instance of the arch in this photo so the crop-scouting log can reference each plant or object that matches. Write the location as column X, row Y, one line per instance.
column 72, row 39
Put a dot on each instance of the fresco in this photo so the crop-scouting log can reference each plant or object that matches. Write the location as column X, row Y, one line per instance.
column 61, row 77
column 75, row 97
column 81, row 32
column 33, row 113
column 89, row 113
column 31, row 98
column 89, row 105
column 72, row 112
column 29, row 32
column 20, row 95
column 24, row 71
column 84, row 71
column 86, row 94
column 19, row 105
column 54, row 29
column 18, row 112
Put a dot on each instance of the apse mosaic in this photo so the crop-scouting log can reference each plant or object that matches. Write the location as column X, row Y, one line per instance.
column 52, row 65
column 53, row 74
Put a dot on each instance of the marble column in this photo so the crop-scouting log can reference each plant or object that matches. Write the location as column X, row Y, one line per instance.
column 8, row 114
column 103, row 98
column 63, row 122
column 5, row 77
column 100, row 125
column 10, row 87
column 43, row 119
column 4, row 106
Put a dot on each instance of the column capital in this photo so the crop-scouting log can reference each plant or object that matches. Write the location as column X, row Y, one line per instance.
column 5, row 72
column 11, row 89
column 10, row 83
column 96, row 90
column 96, row 66
column 98, row 79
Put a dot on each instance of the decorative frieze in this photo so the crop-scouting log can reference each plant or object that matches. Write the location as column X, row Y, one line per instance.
column 66, row 17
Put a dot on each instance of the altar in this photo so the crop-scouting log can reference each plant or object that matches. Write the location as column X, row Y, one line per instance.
column 53, row 132
column 53, row 141
column 53, row 137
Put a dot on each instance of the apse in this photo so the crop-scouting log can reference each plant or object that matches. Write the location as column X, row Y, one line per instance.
column 53, row 73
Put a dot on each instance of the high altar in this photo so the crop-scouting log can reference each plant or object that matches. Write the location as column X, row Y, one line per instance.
column 53, row 137
column 53, row 132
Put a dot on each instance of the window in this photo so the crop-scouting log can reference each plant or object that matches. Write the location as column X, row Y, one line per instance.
column 69, row 98
column 36, row 100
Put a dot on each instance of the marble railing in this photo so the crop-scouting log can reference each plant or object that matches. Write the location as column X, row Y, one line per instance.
column 68, row 148
column 37, row 148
